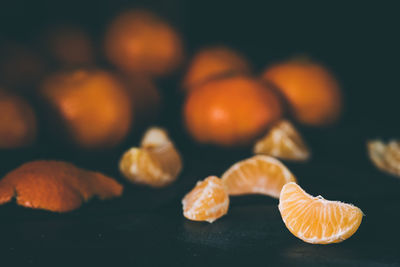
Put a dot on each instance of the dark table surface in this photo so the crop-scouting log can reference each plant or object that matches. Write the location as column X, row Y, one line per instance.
column 146, row 226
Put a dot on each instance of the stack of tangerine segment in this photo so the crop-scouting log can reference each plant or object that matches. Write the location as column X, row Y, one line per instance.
column 312, row 219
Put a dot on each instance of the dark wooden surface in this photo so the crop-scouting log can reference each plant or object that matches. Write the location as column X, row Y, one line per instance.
column 146, row 226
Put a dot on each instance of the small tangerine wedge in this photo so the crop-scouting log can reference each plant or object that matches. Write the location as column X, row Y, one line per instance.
column 385, row 157
column 55, row 186
column 283, row 141
column 317, row 220
column 207, row 201
column 155, row 163
column 259, row 174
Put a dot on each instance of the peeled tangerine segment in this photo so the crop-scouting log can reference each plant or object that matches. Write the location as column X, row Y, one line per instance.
column 283, row 141
column 207, row 201
column 317, row 220
column 385, row 156
column 257, row 175
column 156, row 162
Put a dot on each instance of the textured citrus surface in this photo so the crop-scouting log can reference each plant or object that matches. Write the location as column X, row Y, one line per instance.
column 55, row 186
column 17, row 121
column 207, row 201
column 257, row 175
column 70, row 45
column 230, row 111
column 138, row 41
column 283, row 141
column 156, row 162
column 311, row 90
column 385, row 156
column 315, row 219
column 90, row 106
column 213, row 62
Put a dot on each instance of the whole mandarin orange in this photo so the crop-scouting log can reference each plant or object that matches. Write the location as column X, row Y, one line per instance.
column 145, row 96
column 213, row 62
column 20, row 66
column 310, row 89
column 230, row 111
column 18, row 124
column 138, row 41
column 91, row 106
column 70, row 45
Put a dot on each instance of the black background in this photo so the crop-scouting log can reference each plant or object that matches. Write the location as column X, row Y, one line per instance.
column 357, row 41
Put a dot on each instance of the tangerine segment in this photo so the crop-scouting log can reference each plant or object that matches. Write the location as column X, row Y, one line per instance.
column 156, row 163
column 207, row 201
column 317, row 220
column 257, row 175
column 385, row 156
column 55, row 185
column 283, row 141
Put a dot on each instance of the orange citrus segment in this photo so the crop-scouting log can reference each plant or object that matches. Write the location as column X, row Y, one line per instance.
column 207, row 201
column 385, row 156
column 317, row 220
column 283, row 141
column 257, row 175
column 156, row 163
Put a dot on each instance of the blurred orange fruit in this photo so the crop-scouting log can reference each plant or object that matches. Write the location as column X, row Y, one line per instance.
column 55, row 185
column 207, row 201
column 283, row 141
column 317, row 220
column 20, row 66
column 385, row 156
column 91, row 106
column 18, row 125
column 214, row 62
column 70, row 45
column 230, row 111
column 257, row 175
column 155, row 163
column 146, row 98
column 311, row 90
column 138, row 41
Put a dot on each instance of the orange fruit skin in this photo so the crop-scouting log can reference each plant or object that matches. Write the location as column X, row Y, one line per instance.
column 316, row 220
column 207, row 201
column 70, row 45
column 213, row 62
column 138, row 41
column 92, row 107
column 55, row 186
column 311, row 90
column 18, row 126
column 230, row 111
